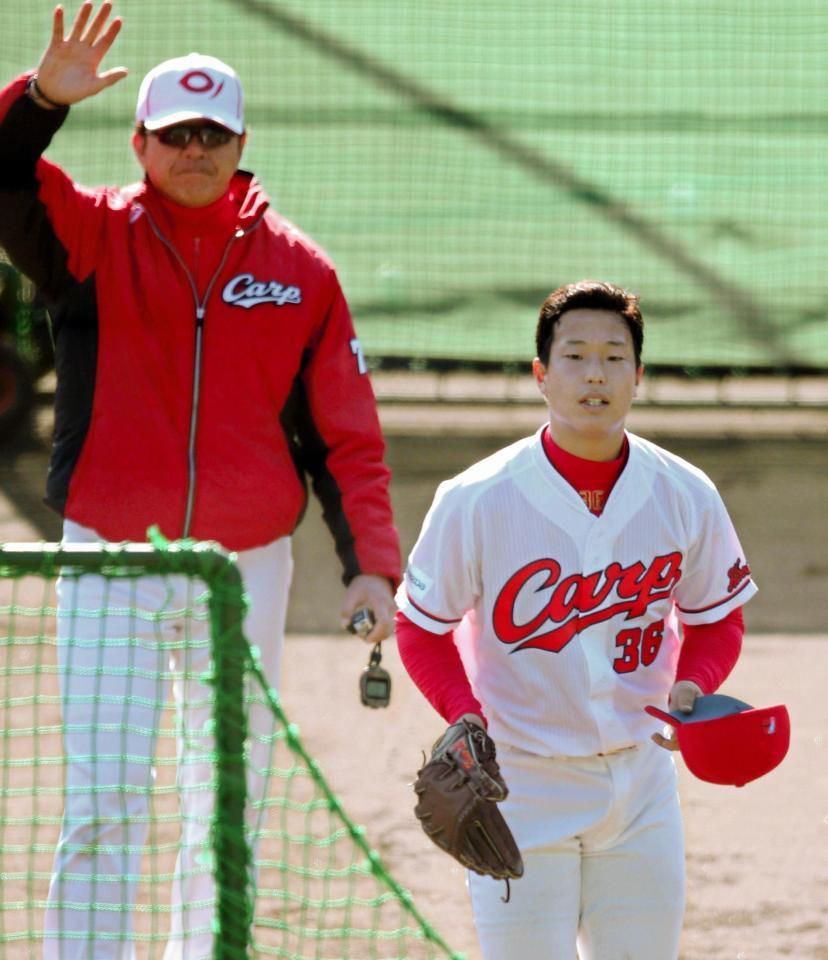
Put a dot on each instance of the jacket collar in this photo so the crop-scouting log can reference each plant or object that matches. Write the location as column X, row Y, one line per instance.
column 244, row 203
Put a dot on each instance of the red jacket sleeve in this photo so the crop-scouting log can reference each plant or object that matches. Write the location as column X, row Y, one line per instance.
column 710, row 651
column 434, row 664
column 50, row 227
column 349, row 473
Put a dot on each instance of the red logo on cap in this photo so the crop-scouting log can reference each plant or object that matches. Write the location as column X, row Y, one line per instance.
column 197, row 81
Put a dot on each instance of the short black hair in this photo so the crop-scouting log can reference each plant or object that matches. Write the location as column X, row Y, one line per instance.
column 594, row 295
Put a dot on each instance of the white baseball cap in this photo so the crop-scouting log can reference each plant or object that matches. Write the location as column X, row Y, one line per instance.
column 195, row 87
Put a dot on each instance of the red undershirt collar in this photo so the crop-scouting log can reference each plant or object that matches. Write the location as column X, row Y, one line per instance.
column 592, row 479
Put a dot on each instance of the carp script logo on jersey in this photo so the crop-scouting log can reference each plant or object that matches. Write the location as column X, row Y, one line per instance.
column 576, row 600
column 246, row 291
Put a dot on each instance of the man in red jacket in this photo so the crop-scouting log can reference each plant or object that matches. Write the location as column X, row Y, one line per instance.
column 207, row 363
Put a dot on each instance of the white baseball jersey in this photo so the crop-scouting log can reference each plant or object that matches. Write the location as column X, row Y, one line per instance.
column 566, row 622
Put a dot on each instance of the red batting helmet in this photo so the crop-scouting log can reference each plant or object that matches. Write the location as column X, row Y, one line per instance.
column 725, row 740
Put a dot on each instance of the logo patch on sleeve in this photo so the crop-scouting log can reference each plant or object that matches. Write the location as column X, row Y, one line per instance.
column 736, row 574
column 418, row 580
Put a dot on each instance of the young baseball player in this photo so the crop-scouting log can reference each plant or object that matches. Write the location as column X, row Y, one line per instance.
column 556, row 589
column 207, row 363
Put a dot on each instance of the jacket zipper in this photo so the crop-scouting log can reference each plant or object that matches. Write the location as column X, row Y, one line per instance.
column 200, row 313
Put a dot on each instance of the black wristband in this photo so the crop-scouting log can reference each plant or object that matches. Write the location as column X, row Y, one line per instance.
column 34, row 87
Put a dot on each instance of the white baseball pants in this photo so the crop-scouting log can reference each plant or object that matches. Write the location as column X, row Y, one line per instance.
column 603, row 850
column 116, row 673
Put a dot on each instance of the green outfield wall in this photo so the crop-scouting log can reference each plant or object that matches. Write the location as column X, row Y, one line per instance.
column 460, row 160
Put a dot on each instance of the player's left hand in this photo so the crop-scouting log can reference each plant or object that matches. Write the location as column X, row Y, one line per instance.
column 374, row 592
column 683, row 696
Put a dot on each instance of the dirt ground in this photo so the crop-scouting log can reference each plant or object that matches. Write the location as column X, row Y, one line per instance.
column 771, row 467
column 757, row 857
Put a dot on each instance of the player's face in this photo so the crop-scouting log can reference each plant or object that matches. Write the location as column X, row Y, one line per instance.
column 194, row 175
column 589, row 382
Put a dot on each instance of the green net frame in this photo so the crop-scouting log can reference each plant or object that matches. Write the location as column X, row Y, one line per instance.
column 306, row 895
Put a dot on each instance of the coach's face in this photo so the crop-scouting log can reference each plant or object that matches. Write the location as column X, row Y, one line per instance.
column 589, row 382
column 194, row 175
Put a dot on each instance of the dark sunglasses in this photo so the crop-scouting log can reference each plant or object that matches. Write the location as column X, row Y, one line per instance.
column 179, row 137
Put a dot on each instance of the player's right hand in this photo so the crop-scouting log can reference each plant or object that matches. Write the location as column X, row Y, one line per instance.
column 68, row 69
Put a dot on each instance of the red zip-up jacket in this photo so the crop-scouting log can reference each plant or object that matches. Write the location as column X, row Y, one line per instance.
column 206, row 360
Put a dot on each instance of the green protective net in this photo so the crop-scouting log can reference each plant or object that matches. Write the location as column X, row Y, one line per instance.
column 459, row 160
column 153, row 795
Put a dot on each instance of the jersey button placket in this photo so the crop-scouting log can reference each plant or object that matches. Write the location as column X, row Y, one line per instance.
column 593, row 642
column 591, row 558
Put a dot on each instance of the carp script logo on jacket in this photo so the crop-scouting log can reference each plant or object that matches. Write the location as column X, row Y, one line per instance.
column 246, row 291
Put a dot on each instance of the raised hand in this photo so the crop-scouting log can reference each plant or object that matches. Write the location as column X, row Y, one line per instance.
column 68, row 69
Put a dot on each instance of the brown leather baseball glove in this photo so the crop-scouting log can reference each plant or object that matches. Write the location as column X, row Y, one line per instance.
column 457, row 791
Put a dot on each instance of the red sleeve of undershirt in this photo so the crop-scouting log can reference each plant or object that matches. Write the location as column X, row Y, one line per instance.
column 433, row 663
column 710, row 651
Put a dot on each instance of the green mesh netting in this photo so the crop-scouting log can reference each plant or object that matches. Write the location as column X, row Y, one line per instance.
column 129, row 822
column 459, row 160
